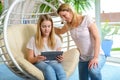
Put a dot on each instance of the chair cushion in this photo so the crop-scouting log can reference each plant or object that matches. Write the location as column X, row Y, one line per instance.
column 19, row 35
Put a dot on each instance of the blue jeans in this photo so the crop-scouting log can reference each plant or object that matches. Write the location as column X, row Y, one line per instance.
column 94, row 73
column 52, row 70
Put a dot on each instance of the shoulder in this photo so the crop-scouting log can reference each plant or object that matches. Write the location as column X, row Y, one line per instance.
column 88, row 20
column 31, row 42
column 57, row 37
column 32, row 39
column 58, row 41
column 88, row 17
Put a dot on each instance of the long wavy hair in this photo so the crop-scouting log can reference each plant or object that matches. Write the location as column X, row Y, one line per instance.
column 67, row 7
column 39, row 37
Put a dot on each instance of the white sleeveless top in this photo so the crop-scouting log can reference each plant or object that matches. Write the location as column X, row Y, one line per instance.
column 31, row 45
column 84, row 39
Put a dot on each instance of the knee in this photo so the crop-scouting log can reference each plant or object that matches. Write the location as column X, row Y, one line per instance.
column 48, row 69
column 95, row 74
column 94, row 71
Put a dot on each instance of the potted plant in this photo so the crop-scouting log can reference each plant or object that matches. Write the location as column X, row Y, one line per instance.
column 80, row 5
column 107, row 36
column 107, row 46
column 1, row 8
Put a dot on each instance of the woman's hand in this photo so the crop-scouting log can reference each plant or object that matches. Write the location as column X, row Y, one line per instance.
column 93, row 63
column 60, row 58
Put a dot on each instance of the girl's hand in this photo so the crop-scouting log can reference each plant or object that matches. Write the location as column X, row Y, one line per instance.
column 93, row 63
column 41, row 58
column 60, row 58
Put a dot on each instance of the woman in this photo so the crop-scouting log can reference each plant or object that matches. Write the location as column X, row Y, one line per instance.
column 46, row 40
column 86, row 37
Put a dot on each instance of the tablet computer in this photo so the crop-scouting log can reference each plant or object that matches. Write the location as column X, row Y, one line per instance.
column 51, row 55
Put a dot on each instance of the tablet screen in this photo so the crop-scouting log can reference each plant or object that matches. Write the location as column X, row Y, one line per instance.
column 51, row 55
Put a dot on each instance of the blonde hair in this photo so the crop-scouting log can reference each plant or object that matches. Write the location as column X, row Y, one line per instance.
column 39, row 37
column 67, row 7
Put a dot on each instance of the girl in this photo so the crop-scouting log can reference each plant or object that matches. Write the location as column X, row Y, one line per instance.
column 46, row 40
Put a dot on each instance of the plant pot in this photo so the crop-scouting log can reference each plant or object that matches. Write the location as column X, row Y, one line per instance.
column 106, row 46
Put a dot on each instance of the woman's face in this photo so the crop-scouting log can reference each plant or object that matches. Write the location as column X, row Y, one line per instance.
column 66, row 15
column 46, row 27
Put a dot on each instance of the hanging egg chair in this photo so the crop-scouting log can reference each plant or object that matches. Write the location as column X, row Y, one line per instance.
column 19, row 25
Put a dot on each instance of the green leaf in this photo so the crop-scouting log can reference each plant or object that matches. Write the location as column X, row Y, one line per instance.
column 80, row 5
column 1, row 8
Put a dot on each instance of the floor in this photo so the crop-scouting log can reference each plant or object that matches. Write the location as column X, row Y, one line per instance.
column 115, row 54
column 110, row 71
column 115, row 57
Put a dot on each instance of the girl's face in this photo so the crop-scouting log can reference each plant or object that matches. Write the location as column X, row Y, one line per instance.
column 66, row 15
column 46, row 27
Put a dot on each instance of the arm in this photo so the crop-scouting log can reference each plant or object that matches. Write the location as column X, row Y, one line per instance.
column 61, row 30
column 59, row 44
column 31, row 58
column 60, row 57
column 94, row 31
